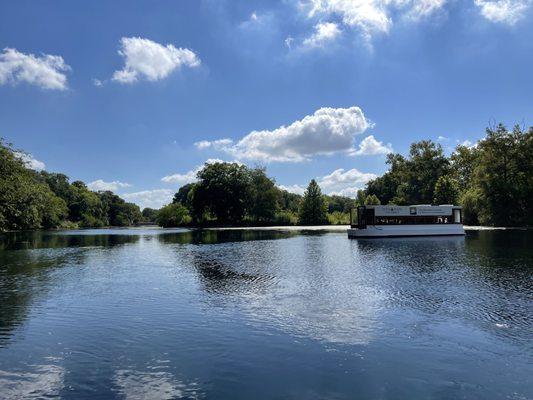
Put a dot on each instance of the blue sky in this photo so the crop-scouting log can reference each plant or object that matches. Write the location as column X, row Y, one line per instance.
column 134, row 96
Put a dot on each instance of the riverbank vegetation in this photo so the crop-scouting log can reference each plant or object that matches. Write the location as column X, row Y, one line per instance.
column 492, row 180
column 43, row 200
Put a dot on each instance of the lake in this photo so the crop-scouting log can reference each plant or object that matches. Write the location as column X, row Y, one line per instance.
column 164, row 314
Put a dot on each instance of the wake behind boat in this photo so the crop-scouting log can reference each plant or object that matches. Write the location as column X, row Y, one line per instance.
column 415, row 220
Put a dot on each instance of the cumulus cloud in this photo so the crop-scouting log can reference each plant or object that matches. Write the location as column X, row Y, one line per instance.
column 340, row 182
column 156, row 198
column 503, row 11
column 369, row 146
column 327, row 131
column 30, row 162
column 325, row 32
column 371, row 17
column 146, row 59
column 46, row 71
column 100, row 185
column 345, row 183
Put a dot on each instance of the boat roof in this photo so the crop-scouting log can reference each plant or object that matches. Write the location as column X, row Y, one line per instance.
column 413, row 205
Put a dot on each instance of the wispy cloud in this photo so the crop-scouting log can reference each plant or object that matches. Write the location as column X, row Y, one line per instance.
column 101, row 185
column 503, row 11
column 325, row 33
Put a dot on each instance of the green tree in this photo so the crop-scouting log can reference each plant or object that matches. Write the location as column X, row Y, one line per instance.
column 263, row 196
column 149, row 214
column 313, row 209
column 184, row 195
column 446, row 190
column 173, row 215
column 372, row 200
column 223, row 191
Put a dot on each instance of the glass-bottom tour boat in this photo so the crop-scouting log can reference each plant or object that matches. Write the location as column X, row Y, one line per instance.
column 416, row 220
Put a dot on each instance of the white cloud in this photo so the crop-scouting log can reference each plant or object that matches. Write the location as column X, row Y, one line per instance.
column 340, row 182
column 215, row 144
column 100, row 185
column 298, row 189
column 46, row 71
column 345, row 183
column 30, row 162
column 156, row 198
column 97, row 82
column 150, row 60
column 288, row 41
column 369, row 146
column 371, row 17
column 443, row 139
column 327, row 131
column 181, row 179
column 503, row 11
column 325, row 33
column 189, row 176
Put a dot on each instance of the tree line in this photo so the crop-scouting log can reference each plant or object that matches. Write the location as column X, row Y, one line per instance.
column 492, row 180
column 43, row 200
column 232, row 194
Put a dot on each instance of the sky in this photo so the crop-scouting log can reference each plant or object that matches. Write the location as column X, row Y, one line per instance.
column 135, row 97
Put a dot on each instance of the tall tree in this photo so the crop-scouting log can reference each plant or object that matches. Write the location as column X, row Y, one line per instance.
column 313, row 209
column 223, row 190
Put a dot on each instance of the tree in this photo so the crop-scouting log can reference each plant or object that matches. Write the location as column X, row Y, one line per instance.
column 223, row 191
column 149, row 214
column 313, row 209
column 503, row 176
column 411, row 180
column 173, row 215
column 372, row 200
column 25, row 202
column 263, row 196
column 446, row 190
column 183, row 196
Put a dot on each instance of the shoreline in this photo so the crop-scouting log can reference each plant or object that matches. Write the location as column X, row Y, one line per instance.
column 292, row 228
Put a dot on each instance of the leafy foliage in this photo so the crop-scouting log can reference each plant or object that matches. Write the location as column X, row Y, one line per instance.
column 493, row 180
column 31, row 200
column 172, row 215
column 313, row 209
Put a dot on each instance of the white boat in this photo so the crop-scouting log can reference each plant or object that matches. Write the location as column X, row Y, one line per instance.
column 415, row 220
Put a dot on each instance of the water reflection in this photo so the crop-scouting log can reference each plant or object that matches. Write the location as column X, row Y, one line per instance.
column 264, row 314
column 161, row 385
column 37, row 382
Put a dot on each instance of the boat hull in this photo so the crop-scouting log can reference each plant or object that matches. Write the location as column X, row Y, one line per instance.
column 406, row 230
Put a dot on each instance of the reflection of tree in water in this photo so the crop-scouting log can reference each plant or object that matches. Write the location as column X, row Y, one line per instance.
column 211, row 236
column 26, row 267
column 218, row 276
column 48, row 239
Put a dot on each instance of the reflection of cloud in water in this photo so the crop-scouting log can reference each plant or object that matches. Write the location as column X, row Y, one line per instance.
column 136, row 385
column 308, row 286
column 44, row 381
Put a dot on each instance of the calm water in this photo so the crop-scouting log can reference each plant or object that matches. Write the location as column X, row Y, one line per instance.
column 140, row 314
